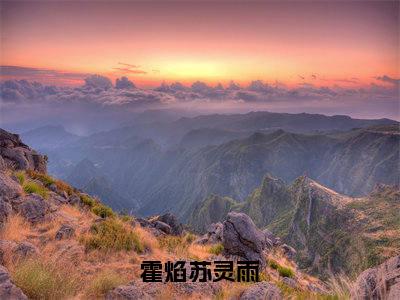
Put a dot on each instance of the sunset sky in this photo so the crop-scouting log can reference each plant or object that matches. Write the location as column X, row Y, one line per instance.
column 323, row 43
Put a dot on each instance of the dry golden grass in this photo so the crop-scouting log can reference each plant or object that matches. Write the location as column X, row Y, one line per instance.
column 15, row 229
column 103, row 282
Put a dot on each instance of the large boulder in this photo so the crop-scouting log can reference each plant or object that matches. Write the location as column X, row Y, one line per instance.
column 261, row 291
column 24, row 250
column 172, row 221
column 9, row 188
column 33, row 208
column 17, row 155
column 242, row 238
column 8, row 290
column 164, row 227
column 381, row 282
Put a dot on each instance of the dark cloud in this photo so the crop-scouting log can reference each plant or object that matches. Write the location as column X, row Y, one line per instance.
column 18, row 72
column 388, row 79
column 124, row 83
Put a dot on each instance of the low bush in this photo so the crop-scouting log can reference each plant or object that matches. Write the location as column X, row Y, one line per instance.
column 102, row 210
column 32, row 187
column 174, row 244
column 43, row 280
column 104, row 282
column 65, row 187
column 216, row 249
column 285, row 272
column 189, row 238
column 273, row 264
column 87, row 200
column 112, row 234
column 42, row 177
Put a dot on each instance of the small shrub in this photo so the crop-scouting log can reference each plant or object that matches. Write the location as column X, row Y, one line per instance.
column 126, row 218
column 40, row 280
column 21, row 176
column 285, row 272
column 189, row 238
column 31, row 187
column 216, row 249
column 173, row 244
column 62, row 186
column 104, row 282
column 102, row 210
column 112, row 234
column 273, row 264
column 87, row 200
column 42, row 177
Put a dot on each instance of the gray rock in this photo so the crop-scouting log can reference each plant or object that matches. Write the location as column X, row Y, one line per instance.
column 75, row 200
column 289, row 251
column 56, row 199
column 65, row 232
column 172, row 221
column 163, row 227
column 17, row 155
column 381, row 282
column 9, row 188
column 8, row 290
column 242, row 238
column 214, row 232
column 5, row 211
column 25, row 249
column 261, row 291
column 33, row 208
column 270, row 238
column 135, row 290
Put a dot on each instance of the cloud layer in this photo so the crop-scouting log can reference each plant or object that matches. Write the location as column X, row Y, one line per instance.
column 98, row 91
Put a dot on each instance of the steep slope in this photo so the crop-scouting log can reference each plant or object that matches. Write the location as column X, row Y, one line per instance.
column 356, row 164
column 57, row 242
column 234, row 169
column 332, row 233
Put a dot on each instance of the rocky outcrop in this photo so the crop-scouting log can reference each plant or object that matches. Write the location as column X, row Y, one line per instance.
column 8, row 290
column 33, row 208
column 214, row 234
column 24, row 249
column 172, row 221
column 382, row 282
column 261, row 291
column 160, row 225
column 242, row 238
column 9, row 188
column 17, row 155
column 135, row 290
column 65, row 232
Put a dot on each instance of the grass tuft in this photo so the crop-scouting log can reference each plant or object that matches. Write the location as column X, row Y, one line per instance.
column 285, row 272
column 104, row 282
column 216, row 249
column 87, row 200
column 47, row 180
column 21, row 176
column 112, row 234
column 32, row 187
column 102, row 210
column 43, row 280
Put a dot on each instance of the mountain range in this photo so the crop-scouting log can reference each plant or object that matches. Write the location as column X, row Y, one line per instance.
column 173, row 165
